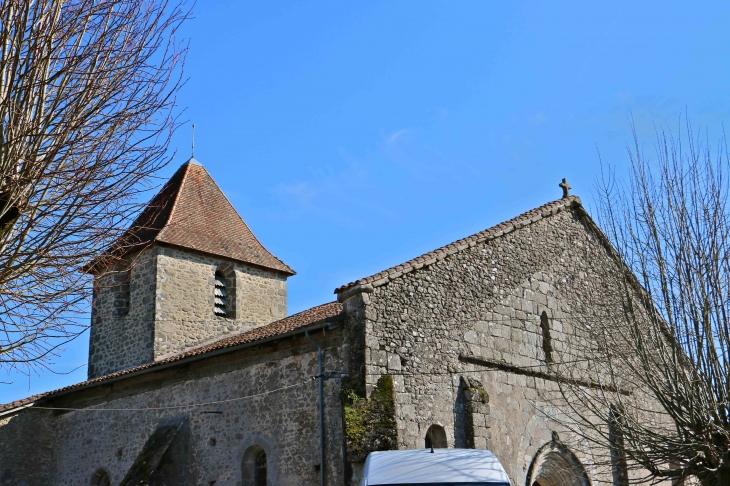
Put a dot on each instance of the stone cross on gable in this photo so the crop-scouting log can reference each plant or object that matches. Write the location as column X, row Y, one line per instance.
column 566, row 187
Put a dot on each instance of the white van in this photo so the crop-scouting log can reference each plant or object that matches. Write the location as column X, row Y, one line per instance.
column 434, row 467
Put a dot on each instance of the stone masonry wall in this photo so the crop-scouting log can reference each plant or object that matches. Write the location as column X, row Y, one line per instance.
column 184, row 299
column 26, row 448
column 160, row 302
column 122, row 316
column 284, row 422
column 484, row 303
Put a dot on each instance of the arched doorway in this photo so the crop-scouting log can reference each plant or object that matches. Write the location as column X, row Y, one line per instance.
column 555, row 465
column 436, row 437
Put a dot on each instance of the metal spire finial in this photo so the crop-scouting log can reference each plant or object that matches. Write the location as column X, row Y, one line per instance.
column 193, row 150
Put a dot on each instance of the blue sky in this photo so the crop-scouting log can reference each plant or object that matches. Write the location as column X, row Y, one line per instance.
column 354, row 136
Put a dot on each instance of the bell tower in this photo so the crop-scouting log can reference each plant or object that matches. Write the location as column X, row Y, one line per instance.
column 189, row 271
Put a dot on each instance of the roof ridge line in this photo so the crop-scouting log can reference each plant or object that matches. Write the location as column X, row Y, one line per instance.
column 175, row 201
column 130, row 240
column 496, row 231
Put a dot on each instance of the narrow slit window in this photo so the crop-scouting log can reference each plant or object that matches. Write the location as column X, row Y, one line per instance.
column 220, row 295
column 619, row 466
column 120, row 293
column 547, row 344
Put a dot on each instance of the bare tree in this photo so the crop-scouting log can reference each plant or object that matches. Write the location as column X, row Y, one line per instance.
column 658, row 371
column 87, row 97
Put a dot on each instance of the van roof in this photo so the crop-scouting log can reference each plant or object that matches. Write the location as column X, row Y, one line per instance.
column 421, row 466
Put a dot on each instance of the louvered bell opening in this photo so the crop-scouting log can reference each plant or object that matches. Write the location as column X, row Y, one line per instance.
column 220, row 295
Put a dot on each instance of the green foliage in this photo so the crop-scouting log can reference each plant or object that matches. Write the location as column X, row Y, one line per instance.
column 349, row 395
column 474, row 386
column 370, row 423
column 482, row 392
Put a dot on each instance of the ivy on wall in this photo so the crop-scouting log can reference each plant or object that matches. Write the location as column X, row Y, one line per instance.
column 370, row 422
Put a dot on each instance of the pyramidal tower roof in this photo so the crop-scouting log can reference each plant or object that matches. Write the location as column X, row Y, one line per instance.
column 192, row 212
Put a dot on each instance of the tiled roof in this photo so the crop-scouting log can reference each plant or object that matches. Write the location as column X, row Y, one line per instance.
column 191, row 211
column 277, row 328
column 523, row 219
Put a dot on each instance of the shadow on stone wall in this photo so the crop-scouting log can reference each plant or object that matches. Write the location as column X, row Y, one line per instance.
column 471, row 414
column 164, row 459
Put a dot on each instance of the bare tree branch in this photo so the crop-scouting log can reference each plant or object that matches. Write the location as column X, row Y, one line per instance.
column 87, row 109
column 664, row 337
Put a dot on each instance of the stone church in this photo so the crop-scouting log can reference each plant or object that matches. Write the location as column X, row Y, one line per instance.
column 197, row 375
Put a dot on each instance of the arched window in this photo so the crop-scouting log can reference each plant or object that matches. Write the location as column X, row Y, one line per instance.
column 254, row 467
column 101, row 478
column 220, row 295
column 259, row 475
column 547, row 344
column 436, row 437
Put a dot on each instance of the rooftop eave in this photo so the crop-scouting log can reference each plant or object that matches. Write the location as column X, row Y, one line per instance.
column 290, row 272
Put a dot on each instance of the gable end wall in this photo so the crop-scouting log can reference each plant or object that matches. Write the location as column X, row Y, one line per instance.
column 485, row 302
